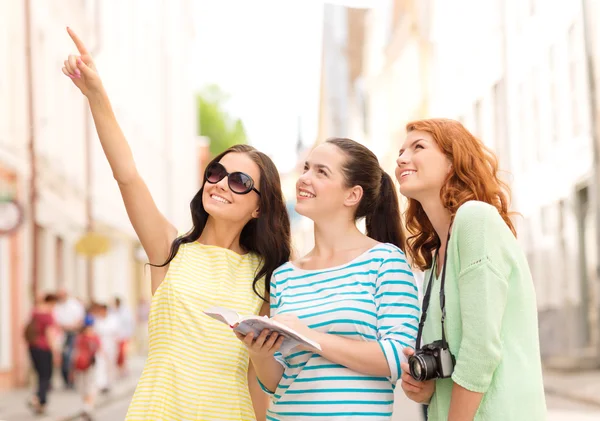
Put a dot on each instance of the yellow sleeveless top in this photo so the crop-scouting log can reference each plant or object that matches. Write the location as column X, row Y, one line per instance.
column 196, row 367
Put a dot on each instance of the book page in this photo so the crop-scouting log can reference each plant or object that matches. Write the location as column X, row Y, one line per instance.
column 292, row 339
column 222, row 314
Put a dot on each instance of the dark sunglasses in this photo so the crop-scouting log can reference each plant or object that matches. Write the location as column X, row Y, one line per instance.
column 238, row 182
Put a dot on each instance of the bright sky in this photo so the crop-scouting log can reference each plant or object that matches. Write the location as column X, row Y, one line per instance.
column 267, row 55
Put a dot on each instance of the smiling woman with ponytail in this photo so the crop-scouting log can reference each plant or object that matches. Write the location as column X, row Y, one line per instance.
column 354, row 294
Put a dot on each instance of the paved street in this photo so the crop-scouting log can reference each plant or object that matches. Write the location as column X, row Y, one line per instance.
column 113, row 412
column 406, row 411
column 65, row 404
column 558, row 410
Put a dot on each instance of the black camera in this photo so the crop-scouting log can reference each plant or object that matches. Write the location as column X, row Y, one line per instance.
column 432, row 361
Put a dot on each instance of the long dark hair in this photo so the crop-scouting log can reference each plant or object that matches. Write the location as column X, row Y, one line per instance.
column 379, row 204
column 268, row 236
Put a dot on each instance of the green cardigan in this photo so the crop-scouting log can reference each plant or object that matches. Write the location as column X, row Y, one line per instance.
column 491, row 320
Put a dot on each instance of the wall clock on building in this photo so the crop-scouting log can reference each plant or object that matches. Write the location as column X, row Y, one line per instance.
column 11, row 215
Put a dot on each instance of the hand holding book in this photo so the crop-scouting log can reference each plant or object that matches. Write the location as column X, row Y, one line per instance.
column 287, row 326
column 264, row 345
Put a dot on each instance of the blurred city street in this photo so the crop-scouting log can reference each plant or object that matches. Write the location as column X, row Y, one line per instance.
column 560, row 409
column 66, row 405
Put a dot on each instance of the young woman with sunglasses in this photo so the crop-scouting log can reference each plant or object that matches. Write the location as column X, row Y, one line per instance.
column 354, row 294
column 462, row 235
column 196, row 369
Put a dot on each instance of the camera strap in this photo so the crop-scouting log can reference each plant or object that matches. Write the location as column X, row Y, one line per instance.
column 427, row 298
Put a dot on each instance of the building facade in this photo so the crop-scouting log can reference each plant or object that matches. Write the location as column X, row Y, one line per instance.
column 140, row 50
column 517, row 77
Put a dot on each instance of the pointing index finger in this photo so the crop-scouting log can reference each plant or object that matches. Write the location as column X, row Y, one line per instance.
column 78, row 43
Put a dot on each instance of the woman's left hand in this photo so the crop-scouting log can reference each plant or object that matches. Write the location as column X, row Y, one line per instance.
column 292, row 321
column 420, row 392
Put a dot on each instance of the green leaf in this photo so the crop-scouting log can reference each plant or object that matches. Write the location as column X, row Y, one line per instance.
column 216, row 123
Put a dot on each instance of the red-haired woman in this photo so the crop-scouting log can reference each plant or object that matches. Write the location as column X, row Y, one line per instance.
column 477, row 352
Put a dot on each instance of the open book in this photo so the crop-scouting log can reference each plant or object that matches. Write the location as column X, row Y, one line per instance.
column 256, row 324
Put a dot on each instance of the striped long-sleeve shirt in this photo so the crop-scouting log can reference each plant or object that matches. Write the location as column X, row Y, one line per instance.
column 372, row 298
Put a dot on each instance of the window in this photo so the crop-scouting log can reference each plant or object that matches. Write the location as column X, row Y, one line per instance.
column 339, row 23
column 499, row 121
column 60, row 262
column 523, row 131
column 388, row 25
column 89, row 6
column 573, row 44
column 363, row 103
column 5, row 76
column 496, row 13
column 552, row 79
column 547, row 220
column 365, row 113
column 525, row 11
column 531, row 6
column 478, row 119
column 5, row 304
column 535, row 132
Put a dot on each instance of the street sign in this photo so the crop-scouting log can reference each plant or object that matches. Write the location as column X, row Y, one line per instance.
column 92, row 244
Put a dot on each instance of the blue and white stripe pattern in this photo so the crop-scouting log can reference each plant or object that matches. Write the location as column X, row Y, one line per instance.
column 372, row 298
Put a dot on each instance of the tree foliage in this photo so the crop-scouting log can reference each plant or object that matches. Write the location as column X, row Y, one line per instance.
column 216, row 123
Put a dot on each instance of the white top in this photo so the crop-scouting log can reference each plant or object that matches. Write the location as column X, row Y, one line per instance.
column 126, row 323
column 108, row 331
column 69, row 312
column 372, row 298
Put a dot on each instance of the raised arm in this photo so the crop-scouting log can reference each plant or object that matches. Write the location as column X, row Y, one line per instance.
column 153, row 230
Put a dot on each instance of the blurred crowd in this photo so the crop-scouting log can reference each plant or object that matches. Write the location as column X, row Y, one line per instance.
column 88, row 342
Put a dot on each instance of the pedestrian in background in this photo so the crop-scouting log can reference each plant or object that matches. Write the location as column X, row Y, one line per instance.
column 106, row 325
column 69, row 314
column 126, row 330
column 41, row 337
column 87, row 347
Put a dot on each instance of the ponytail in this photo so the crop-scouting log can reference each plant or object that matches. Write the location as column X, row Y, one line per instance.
column 383, row 222
column 379, row 204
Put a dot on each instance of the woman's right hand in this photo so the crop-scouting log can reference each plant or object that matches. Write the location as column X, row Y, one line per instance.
column 420, row 392
column 81, row 69
column 264, row 346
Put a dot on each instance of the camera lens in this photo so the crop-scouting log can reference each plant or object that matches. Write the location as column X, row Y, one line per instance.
column 422, row 367
column 415, row 368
